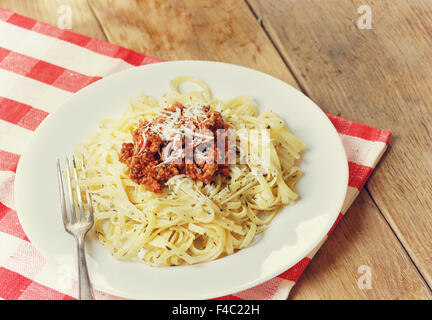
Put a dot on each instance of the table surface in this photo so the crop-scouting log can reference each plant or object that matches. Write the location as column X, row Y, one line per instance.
column 380, row 76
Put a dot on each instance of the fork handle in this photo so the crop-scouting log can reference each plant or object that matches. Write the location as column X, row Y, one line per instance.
column 85, row 288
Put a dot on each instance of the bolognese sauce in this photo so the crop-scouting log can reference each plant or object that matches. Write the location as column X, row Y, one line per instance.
column 181, row 140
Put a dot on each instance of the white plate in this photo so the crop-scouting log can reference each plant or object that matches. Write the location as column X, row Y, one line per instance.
column 295, row 231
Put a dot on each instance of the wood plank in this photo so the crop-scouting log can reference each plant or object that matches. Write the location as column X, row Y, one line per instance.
column 207, row 30
column 227, row 31
column 336, row 265
column 382, row 77
column 83, row 19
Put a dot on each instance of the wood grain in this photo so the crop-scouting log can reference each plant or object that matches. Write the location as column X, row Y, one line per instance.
column 227, row 31
column 334, row 274
column 208, row 30
column 382, row 77
column 83, row 19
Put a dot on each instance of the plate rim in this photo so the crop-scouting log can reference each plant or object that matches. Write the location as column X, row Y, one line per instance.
column 20, row 180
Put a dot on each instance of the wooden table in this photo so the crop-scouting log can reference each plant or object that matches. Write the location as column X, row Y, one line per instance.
column 380, row 76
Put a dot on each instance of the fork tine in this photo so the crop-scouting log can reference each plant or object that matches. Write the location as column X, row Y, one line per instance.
column 69, row 184
column 77, row 226
column 62, row 195
column 78, row 189
column 88, row 195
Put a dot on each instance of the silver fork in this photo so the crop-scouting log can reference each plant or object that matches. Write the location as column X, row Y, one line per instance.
column 77, row 223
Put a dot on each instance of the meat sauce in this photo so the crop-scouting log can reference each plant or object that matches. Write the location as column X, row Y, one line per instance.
column 180, row 141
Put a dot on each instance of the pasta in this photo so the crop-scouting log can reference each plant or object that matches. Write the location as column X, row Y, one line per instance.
column 190, row 221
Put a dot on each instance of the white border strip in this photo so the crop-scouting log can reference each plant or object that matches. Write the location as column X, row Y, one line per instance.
column 31, row 92
column 361, row 151
column 59, row 52
column 13, row 138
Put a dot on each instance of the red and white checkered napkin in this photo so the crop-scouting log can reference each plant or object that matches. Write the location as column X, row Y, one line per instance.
column 40, row 67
